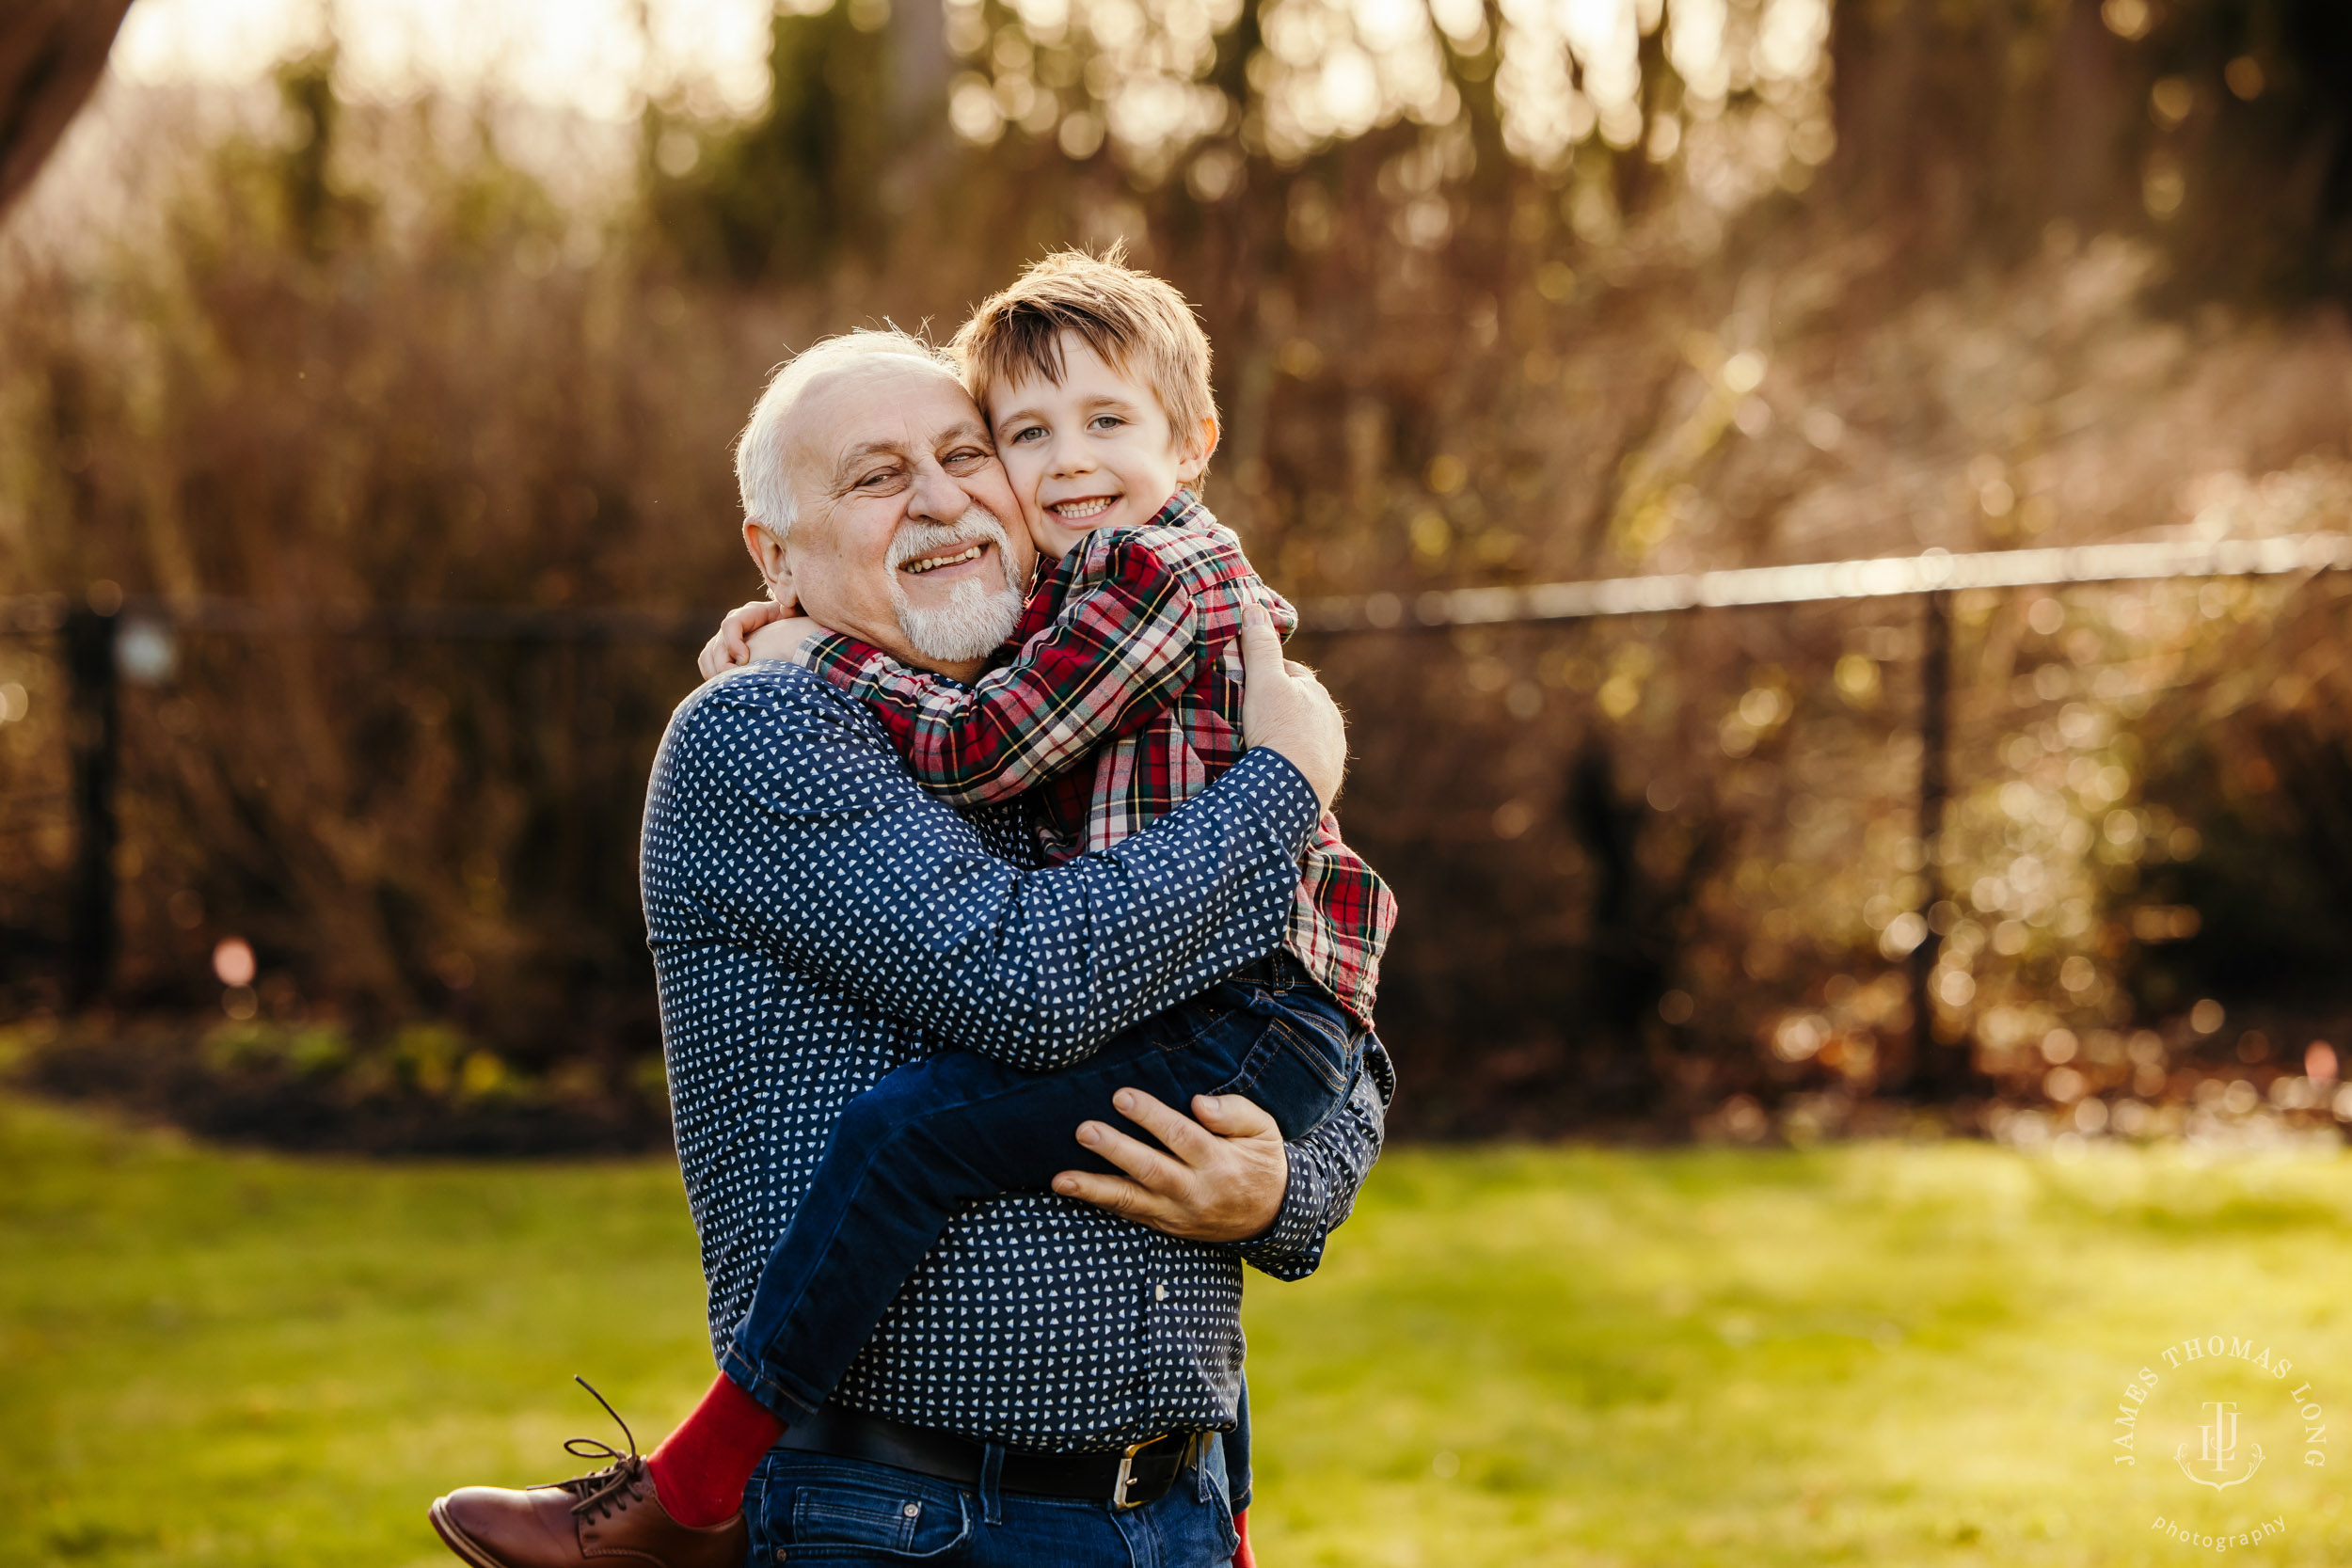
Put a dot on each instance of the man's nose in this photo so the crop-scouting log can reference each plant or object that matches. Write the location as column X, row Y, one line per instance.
column 935, row 497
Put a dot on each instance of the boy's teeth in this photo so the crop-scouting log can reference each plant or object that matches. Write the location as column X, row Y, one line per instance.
column 938, row 560
column 1082, row 509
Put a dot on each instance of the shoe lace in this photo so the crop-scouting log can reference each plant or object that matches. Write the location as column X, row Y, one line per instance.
column 602, row 1491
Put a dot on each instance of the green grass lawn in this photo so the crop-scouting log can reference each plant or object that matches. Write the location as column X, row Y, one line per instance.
column 1879, row 1354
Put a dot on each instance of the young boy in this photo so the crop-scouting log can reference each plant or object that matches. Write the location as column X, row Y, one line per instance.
column 1122, row 702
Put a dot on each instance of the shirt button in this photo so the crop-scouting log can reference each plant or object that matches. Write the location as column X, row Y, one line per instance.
column 1159, row 1292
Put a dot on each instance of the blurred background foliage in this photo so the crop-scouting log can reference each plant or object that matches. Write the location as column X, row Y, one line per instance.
column 1503, row 292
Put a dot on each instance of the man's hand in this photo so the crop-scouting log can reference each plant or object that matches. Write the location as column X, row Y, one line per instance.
column 1221, row 1179
column 1284, row 708
column 731, row 646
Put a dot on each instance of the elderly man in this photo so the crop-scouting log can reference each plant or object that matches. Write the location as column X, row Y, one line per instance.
column 1046, row 1387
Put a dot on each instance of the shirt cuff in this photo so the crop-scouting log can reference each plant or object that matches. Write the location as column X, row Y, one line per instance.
column 1294, row 809
column 1291, row 1246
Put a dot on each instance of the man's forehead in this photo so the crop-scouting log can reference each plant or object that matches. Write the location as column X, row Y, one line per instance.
column 892, row 405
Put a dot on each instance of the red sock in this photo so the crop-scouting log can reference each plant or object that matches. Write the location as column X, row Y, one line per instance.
column 1243, row 1556
column 699, row 1470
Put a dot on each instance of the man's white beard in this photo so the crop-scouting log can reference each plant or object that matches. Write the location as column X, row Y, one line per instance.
column 976, row 618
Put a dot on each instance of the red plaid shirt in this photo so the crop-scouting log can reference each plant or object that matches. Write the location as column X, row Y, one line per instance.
column 1122, row 703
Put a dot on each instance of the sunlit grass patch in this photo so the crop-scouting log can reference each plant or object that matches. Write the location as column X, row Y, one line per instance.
column 1877, row 1354
column 238, row 1359
column 1871, row 1355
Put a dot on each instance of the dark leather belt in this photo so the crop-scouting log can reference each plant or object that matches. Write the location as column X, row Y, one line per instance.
column 1130, row 1479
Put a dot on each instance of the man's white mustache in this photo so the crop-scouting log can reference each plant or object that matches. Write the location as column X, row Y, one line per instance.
column 915, row 540
column 977, row 615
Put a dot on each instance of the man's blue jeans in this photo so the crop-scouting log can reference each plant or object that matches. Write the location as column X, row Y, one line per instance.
column 954, row 1128
column 815, row 1508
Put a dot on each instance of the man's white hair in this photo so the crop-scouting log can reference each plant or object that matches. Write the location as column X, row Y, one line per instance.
column 759, row 451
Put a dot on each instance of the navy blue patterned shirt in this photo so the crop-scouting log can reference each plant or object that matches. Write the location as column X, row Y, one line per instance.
column 816, row 919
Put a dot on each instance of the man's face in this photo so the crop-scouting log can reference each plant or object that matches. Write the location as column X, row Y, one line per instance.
column 900, row 540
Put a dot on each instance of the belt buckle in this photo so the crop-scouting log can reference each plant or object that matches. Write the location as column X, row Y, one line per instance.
column 1127, row 1477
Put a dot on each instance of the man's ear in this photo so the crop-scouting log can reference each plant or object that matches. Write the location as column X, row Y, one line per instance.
column 1193, row 455
column 773, row 561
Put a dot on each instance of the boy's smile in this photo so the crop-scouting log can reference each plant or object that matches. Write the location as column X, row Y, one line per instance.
column 1084, row 508
column 1093, row 449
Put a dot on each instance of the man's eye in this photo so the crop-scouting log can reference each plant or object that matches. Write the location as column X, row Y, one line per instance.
column 879, row 476
column 965, row 457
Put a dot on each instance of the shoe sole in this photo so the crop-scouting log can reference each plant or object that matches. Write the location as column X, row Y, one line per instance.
column 457, row 1540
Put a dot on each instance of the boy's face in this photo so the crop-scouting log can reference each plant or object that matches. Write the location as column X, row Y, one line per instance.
column 1094, row 451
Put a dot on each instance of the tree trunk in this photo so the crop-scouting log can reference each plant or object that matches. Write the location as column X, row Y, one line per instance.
column 52, row 53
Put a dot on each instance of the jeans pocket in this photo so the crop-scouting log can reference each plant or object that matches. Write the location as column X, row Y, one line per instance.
column 1296, row 1072
column 854, row 1519
column 1330, row 1053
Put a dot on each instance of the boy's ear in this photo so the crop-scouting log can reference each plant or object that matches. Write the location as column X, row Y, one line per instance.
column 1193, row 455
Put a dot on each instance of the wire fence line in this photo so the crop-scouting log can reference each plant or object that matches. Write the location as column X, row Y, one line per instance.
column 48, row 613
column 1933, row 571
column 1886, row 577
column 109, row 637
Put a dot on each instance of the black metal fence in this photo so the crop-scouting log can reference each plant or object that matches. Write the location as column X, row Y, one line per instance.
column 107, row 639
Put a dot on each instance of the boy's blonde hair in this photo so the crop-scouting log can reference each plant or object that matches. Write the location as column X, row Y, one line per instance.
column 1135, row 321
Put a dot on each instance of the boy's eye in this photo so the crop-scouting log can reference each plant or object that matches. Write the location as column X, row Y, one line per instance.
column 1106, row 421
column 1025, row 432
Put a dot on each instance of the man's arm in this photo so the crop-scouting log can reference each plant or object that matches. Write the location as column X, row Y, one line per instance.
column 1117, row 652
column 792, row 822
column 1228, row 1176
column 1327, row 1169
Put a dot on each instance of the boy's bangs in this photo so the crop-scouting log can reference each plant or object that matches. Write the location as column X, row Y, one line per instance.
column 1027, row 343
column 1137, row 324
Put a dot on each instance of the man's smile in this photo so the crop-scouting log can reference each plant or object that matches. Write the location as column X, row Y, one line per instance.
column 951, row 556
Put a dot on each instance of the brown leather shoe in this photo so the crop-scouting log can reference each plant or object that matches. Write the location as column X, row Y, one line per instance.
column 610, row 1519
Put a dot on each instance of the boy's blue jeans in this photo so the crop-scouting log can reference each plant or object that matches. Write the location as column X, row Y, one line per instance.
column 954, row 1128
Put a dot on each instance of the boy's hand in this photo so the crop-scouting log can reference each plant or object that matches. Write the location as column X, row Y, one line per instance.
column 732, row 646
column 1283, row 707
column 781, row 640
